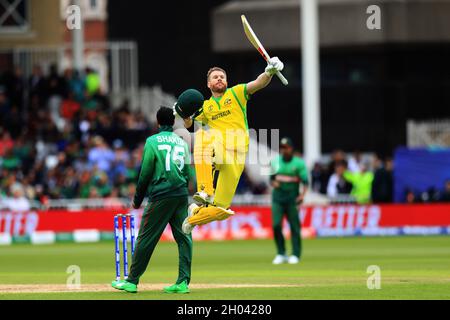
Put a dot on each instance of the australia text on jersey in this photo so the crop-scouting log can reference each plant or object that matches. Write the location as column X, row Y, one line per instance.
column 221, row 115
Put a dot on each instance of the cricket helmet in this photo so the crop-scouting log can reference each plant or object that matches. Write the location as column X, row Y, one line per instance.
column 189, row 102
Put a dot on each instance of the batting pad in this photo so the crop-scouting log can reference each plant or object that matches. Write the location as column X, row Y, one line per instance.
column 209, row 214
column 203, row 159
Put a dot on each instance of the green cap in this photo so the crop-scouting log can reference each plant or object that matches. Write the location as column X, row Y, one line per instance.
column 189, row 102
column 286, row 142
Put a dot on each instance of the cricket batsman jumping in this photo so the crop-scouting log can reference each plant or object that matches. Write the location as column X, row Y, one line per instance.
column 221, row 145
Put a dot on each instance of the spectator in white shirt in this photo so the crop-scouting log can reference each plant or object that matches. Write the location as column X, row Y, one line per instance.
column 18, row 203
column 337, row 185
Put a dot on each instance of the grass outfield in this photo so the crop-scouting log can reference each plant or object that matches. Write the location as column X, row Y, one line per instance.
column 411, row 268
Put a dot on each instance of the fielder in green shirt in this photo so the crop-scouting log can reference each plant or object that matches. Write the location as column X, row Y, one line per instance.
column 164, row 178
column 288, row 173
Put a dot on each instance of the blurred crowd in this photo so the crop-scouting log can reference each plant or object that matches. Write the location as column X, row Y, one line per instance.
column 369, row 179
column 60, row 139
column 430, row 195
column 354, row 178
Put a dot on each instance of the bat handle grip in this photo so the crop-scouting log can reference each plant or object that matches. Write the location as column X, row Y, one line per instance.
column 282, row 78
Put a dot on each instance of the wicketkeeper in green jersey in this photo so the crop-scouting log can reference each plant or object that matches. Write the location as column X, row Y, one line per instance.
column 164, row 178
column 288, row 173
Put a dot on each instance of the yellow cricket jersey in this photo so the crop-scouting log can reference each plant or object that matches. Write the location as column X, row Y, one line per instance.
column 227, row 118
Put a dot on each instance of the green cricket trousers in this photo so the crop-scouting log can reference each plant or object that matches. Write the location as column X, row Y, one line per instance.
column 279, row 209
column 156, row 216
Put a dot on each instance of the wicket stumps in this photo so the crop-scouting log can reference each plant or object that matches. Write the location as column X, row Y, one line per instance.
column 123, row 218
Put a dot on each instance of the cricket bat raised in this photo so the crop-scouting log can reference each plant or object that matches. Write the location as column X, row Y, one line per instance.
column 257, row 44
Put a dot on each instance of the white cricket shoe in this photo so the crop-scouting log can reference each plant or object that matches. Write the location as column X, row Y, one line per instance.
column 203, row 198
column 279, row 259
column 293, row 260
column 187, row 227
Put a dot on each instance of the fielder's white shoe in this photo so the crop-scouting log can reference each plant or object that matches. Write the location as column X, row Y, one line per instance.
column 279, row 259
column 293, row 260
column 187, row 227
column 203, row 198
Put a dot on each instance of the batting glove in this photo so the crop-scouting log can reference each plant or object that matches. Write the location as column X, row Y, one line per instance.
column 274, row 65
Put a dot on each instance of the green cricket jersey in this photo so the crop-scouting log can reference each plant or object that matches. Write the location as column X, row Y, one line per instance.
column 289, row 174
column 165, row 167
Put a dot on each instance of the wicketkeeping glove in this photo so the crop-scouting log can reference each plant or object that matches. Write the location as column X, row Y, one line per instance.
column 274, row 65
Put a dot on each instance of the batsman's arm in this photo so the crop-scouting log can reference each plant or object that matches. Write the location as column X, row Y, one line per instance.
column 259, row 83
column 147, row 168
column 197, row 116
column 274, row 65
